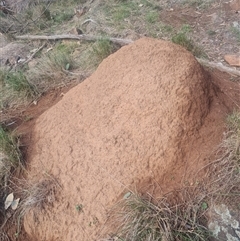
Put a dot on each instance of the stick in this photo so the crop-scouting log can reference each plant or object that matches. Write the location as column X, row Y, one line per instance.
column 219, row 66
column 72, row 36
column 35, row 52
column 121, row 42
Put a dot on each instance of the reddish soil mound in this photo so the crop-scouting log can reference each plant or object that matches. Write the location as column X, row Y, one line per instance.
column 146, row 114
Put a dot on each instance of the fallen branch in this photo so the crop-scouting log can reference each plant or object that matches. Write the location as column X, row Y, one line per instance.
column 121, row 42
column 76, row 37
column 219, row 66
column 34, row 53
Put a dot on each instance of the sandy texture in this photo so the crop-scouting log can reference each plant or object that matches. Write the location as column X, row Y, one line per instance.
column 136, row 119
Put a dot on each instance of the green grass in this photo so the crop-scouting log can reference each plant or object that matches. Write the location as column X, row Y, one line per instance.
column 9, row 147
column 15, row 88
column 94, row 53
column 236, row 32
column 62, row 16
column 152, row 17
column 182, row 38
column 201, row 4
column 123, row 10
column 167, row 28
column 102, row 48
column 38, row 17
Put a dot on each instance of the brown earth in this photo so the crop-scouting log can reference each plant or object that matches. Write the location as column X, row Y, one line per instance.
column 148, row 119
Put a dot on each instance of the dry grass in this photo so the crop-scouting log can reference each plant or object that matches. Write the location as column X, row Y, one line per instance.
column 225, row 182
column 140, row 218
column 52, row 69
column 27, row 16
column 4, row 237
column 36, row 196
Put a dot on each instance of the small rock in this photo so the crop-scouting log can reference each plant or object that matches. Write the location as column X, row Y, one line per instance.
column 232, row 59
column 223, row 223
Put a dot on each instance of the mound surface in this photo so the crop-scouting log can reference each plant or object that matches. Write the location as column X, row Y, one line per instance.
column 129, row 125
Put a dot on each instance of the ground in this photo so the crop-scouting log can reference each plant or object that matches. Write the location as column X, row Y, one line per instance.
column 213, row 27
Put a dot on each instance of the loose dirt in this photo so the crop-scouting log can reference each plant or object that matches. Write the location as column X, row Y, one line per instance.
column 148, row 119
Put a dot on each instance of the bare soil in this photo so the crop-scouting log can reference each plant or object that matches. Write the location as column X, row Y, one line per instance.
column 148, row 119
column 212, row 27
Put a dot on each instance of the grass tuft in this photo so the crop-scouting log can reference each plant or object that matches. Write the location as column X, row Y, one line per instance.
column 14, row 87
column 36, row 196
column 140, row 219
column 95, row 53
column 182, row 38
column 103, row 48
column 52, row 69
column 9, row 148
column 152, row 17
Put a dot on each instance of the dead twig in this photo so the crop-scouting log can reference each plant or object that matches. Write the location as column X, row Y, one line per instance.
column 34, row 53
column 76, row 37
column 121, row 42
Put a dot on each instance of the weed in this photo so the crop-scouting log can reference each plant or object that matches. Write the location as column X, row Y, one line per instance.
column 79, row 208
